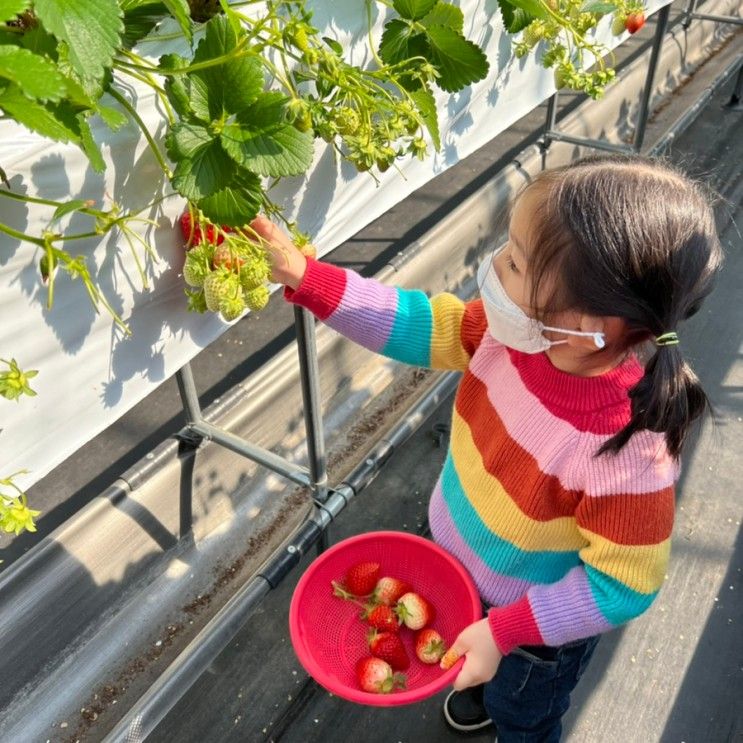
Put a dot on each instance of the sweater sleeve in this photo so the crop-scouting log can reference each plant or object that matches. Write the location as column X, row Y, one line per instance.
column 625, row 516
column 404, row 324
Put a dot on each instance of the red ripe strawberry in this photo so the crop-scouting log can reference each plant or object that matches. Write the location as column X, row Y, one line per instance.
column 414, row 611
column 191, row 233
column 388, row 590
column 634, row 21
column 383, row 618
column 361, row 578
column 388, row 646
column 429, row 646
column 375, row 675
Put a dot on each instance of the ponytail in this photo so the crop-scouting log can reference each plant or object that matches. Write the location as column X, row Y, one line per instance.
column 668, row 399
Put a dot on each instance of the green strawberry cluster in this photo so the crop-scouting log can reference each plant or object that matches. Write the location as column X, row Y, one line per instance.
column 229, row 278
column 562, row 27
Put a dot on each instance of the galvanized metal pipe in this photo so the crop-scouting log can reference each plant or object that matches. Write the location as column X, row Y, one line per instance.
column 309, row 377
column 647, row 92
column 597, row 144
column 293, row 472
column 718, row 18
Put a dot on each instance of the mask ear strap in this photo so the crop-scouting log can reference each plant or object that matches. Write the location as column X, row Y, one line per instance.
column 598, row 338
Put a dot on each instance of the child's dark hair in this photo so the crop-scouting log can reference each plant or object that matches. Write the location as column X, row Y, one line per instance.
column 631, row 237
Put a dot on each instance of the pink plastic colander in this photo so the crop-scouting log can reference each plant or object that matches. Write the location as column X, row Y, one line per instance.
column 329, row 637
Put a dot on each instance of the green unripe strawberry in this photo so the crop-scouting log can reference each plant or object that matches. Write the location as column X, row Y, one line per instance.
column 254, row 274
column 347, row 120
column 232, row 307
column 256, row 299
column 196, row 267
column 617, row 24
column 533, row 33
column 219, row 285
column 300, row 39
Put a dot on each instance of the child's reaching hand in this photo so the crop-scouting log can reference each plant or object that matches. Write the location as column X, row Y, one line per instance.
column 288, row 264
column 483, row 656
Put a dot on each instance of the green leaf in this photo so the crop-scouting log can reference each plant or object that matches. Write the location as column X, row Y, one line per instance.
column 91, row 29
column 426, row 105
column 444, row 14
column 181, row 11
column 184, row 140
column 112, row 117
column 203, row 173
column 231, row 86
column 262, row 141
column 334, row 45
column 177, row 87
column 45, row 120
column 399, row 43
column 202, row 99
column 140, row 18
column 89, row 145
column 413, row 9
column 4, row 178
column 236, row 204
column 36, row 76
column 514, row 19
column 533, row 7
column 9, row 9
column 459, row 61
column 600, row 8
column 284, row 151
column 38, row 41
column 67, row 208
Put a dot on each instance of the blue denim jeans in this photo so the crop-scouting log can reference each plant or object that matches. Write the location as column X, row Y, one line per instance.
column 530, row 693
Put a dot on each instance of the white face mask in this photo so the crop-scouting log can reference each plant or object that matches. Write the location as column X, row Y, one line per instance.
column 509, row 324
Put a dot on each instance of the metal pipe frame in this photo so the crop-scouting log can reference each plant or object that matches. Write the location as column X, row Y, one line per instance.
column 718, row 18
column 316, row 476
column 647, row 92
column 198, row 655
column 552, row 135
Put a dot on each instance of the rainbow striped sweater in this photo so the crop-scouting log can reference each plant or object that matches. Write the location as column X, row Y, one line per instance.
column 562, row 544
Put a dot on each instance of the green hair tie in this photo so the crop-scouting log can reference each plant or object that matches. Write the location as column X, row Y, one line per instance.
column 667, row 339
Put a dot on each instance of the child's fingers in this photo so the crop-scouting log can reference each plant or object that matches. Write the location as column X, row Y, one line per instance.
column 272, row 234
column 469, row 675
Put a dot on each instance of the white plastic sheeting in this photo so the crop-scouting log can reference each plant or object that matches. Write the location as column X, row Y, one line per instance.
column 89, row 372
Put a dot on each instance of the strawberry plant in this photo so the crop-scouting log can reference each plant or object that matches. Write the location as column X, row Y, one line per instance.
column 15, row 515
column 560, row 28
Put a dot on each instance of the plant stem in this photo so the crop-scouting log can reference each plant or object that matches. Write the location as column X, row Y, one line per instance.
column 133, row 113
column 22, row 236
column 49, row 202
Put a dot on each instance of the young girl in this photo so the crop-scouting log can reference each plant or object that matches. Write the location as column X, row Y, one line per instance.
column 557, row 493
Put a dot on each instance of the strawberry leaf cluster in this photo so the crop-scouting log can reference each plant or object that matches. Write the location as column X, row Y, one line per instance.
column 230, row 131
column 433, row 30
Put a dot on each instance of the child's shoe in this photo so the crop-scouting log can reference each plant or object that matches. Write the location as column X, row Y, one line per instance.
column 464, row 710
